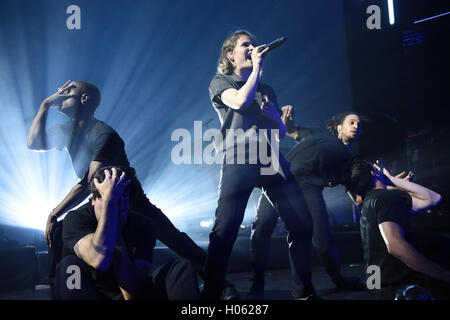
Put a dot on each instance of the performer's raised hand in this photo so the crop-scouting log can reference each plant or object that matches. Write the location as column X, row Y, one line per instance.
column 258, row 56
column 112, row 187
column 287, row 117
column 56, row 99
column 404, row 176
column 269, row 110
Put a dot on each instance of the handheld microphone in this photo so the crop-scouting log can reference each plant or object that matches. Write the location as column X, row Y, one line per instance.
column 274, row 44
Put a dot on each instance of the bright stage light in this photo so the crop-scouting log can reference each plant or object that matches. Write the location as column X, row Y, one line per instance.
column 391, row 12
column 31, row 184
column 206, row 223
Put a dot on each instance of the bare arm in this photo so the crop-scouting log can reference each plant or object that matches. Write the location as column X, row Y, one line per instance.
column 37, row 138
column 76, row 195
column 422, row 198
column 129, row 276
column 241, row 99
column 97, row 249
column 401, row 249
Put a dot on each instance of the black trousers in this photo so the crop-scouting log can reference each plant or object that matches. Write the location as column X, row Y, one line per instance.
column 166, row 232
column 175, row 280
column 237, row 181
column 266, row 220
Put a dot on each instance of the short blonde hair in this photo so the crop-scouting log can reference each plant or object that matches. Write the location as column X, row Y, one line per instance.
column 224, row 65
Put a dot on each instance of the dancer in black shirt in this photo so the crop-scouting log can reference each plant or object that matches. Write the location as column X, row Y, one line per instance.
column 317, row 161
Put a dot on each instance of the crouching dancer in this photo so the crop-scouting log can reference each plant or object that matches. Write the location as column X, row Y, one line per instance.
column 108, row 249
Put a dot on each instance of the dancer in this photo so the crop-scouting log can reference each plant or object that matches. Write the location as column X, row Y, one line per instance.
column 387, row 236
column 113, row 248
column 318, row 160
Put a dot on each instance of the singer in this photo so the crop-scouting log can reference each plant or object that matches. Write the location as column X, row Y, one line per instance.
column 243, row 102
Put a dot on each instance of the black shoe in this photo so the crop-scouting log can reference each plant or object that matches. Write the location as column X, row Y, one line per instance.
column 256, row 291
column 349, row 284
column 230, row 293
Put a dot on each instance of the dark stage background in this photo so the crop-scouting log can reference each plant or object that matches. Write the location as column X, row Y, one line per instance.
column 400, row 79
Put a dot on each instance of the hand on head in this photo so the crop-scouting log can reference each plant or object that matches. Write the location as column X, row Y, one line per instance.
column 112, row 187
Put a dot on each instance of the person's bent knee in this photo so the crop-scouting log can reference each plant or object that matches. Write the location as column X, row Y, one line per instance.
column 183, row 283
column 185, row 265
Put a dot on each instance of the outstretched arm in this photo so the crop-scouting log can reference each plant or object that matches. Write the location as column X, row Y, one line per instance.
column 78, row 193
column 400, row 248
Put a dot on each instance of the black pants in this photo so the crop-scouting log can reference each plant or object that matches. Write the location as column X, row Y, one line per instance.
column 266, row 220
column 236, row 184
column 176, row 280
column 166, row 232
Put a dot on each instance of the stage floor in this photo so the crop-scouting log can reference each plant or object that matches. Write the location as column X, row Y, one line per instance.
column 278, row 285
